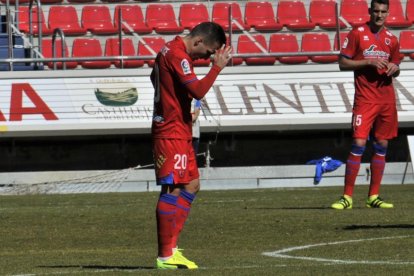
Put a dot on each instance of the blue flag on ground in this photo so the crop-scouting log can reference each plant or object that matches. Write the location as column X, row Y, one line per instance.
column 323, row 165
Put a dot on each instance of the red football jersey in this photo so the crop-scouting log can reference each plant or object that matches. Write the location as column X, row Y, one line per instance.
column 371, row 85
column 173, row 69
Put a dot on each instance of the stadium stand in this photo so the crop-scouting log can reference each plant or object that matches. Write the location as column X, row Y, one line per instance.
column 318, row 42
column 66, row 18
column 153, row 43
column 133, row 17
column 98, row 20
column 220, row 15
column 323, row 14
column 255, row 44
column 89, row 47
column 396, row 17
column 24, row 21
column 192, row 14
column 145, row 20
column 407, row 42
column 409, row 10
column 47, row 52
column 355, row 11
column 112, row 47
column 261, row 17
column 292, row 14
column 286, row 43
column 161, row 18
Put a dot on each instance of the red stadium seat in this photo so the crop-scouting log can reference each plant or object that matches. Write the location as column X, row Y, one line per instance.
column 407, row 42
column 128, row 49
column 396, row 17
column 246, row 46
column 286, row 43
column 318, row 42
column 220, row 15
column 89, row 47
column 192, row 14
column 24, row 21
column 292, row 14
column 155, row 43
column 323, row 14
column 97, row 19
column 80, row 1
column 260, row 15
column 49, row 1
column 65, row 18
column 161, row 18
column 234, row 60
column 14, row 1
column 133, row 16
column 409, row 10
column 47, row 52
column 342, row 37
column 355, row 11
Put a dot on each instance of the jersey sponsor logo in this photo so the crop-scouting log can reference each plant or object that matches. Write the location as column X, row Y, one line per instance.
column 361, row 29
column 372, row 53
column 366, row 38
column 185, row 65
column 345, row 44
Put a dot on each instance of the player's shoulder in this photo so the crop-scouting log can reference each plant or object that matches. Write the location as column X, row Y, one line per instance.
column 390, row 35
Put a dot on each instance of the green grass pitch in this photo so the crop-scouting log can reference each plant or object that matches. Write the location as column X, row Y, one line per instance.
column 226, row 234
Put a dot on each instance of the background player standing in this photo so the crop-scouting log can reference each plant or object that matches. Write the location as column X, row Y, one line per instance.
column 176, row 169
column 372, row 52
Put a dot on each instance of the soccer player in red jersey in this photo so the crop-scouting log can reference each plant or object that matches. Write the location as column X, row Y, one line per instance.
column 176, row 169
column 372, row 52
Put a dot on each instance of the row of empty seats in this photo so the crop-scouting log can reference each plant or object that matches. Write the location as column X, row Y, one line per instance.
column 278, row 43
column 258, row 15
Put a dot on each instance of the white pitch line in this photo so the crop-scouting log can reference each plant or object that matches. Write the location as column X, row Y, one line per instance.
column 281, row 253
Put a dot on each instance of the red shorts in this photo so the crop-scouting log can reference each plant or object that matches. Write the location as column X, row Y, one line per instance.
column 382, row 119
column 175, row 161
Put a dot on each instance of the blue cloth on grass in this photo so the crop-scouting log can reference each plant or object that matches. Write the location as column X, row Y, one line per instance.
column 323, row 165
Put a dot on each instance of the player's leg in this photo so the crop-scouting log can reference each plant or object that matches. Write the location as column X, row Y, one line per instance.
column 172, row 172
column 186, row 197
column 385, row 128
column 363, row 116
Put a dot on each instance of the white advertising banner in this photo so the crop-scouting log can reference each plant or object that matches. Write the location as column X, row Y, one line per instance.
column 236, row 102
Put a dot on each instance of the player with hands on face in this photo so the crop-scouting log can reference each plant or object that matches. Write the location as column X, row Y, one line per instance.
column 176, row 171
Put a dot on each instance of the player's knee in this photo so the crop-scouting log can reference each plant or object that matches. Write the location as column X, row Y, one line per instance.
column 357, row 150
column 380, row 149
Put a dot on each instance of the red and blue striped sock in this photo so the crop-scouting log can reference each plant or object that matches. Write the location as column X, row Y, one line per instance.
column 166, row 212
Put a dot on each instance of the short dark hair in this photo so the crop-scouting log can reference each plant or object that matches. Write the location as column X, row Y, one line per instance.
column 385, row 2
column 210, row 31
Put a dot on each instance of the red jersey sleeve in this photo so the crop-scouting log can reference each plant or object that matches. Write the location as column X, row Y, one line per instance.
column 350, row 45
column 185, row 72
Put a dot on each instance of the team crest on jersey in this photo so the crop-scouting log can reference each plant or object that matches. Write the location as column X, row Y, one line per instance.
column 185, row 65
column 387, row 41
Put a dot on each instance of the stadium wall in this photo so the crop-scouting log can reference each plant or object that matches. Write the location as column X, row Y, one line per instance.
column 254, row 116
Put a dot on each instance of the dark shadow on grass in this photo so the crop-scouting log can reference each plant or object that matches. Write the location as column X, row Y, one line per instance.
column 100, row 267
column 379, row 226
